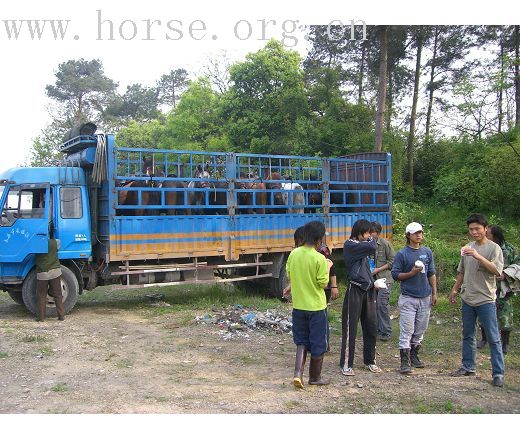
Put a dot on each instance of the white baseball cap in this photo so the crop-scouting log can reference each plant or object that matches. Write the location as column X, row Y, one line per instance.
column 413, row 227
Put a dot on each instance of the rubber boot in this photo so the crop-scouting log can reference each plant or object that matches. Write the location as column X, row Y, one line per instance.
column 482, row 342
column 414, row 358
column 299, row 365
column 406, row 367
column 315, row 371
column 504, row 335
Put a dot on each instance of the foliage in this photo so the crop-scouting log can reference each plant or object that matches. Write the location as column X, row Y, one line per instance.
column 171, row 85
column 265, row 101
column 485, row 179
column 83, row 90
column 138, row 103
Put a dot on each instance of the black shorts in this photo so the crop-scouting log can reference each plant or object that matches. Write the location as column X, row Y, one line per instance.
column 310, row 329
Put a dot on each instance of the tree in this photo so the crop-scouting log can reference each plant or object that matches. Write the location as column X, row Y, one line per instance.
column 138, row 103
column 217, row 71
column 450, row 44
column 265, row 101
column 381, row 93
column 419, row 34
column 171, row 85
column 196, row 122
column 45, row 150
column 82, row 89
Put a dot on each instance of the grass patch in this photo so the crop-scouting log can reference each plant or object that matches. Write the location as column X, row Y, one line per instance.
column 181, row 298
column 125, row 363
column 3, row 354
column 247, row 359
column 59, row 388
column 33, row 338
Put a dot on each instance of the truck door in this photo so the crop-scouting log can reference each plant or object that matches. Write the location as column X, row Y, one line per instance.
column 24, row 227
column 72, row 220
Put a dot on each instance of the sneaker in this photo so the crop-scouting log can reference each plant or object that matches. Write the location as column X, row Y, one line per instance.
column 462, row 372
column 498, row 381
column 347, row 371
column 374, row 368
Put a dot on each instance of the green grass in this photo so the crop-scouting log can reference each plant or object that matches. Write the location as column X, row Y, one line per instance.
column 181, row 298
column 3, row 354
column 33, row 338
column 59, row 388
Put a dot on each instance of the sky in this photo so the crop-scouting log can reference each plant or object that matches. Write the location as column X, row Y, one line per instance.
column 142, row 49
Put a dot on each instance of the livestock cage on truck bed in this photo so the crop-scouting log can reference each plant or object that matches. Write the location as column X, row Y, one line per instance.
column 232, row 209
column 163, row 216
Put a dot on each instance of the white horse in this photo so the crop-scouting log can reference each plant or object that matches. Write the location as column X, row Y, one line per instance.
column 293, row 197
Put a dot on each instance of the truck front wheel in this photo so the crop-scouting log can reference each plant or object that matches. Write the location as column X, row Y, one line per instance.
column 16, row 295
column 69, row 289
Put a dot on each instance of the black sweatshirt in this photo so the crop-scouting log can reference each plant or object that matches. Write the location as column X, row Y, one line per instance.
column 355, row 254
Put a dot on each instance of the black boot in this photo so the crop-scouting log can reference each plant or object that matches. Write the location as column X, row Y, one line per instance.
column 406, row 367
column 299, row 365
column 504, row 335
column 414, row 358
column 315, row 372
column 482, row 342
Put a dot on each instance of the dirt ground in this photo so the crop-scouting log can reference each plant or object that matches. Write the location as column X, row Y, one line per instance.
column 115, row 359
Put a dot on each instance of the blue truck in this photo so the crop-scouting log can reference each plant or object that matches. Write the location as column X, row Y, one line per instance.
column 138, row 217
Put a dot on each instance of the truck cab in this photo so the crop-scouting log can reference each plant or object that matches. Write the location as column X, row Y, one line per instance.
column 35, row 201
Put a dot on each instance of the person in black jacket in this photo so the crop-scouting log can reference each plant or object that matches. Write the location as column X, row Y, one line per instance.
column 360, row 299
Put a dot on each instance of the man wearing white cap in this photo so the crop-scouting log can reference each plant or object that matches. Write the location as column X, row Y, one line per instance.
column 414, row 267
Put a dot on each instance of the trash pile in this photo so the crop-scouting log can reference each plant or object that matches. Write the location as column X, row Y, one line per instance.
column 236, row 321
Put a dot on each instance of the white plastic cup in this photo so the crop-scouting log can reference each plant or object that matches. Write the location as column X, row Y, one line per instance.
column 420, row 264
column 380, row 283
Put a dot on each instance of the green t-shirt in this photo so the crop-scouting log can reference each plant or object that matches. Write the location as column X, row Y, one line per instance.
column 479, row 285
column 308, row 272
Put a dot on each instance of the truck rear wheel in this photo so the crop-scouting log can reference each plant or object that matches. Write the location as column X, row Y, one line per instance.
column 16, row 295
column 69, row 289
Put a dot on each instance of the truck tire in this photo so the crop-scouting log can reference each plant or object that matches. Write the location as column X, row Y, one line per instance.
column 69, row 288
column 16, row 295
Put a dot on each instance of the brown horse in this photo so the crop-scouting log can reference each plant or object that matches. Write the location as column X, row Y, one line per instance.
column 249, row 198
column 276, row 190
column 130, row 196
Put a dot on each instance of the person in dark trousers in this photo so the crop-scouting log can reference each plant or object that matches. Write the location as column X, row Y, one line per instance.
column 360, row 299
column 414, row 267
column 384, row 259
column 481, row 262
column 48, row 280
column 308, row 272
column 503, row 302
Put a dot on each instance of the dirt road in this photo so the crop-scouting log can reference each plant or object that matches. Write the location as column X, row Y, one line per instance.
column 116, row 359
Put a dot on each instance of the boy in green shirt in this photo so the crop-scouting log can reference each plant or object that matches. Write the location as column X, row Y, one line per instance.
column 308, row 272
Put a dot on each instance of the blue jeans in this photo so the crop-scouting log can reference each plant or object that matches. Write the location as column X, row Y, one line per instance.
column 384, row 328
column 487, row 315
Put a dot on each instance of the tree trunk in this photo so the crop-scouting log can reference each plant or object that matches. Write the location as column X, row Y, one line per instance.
column 411, row 134
column 517, row 76
column 501, row 84
column 432, row 78
column 173, row 93
column 381, row 92
column 390, row 100
column 361, row 73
